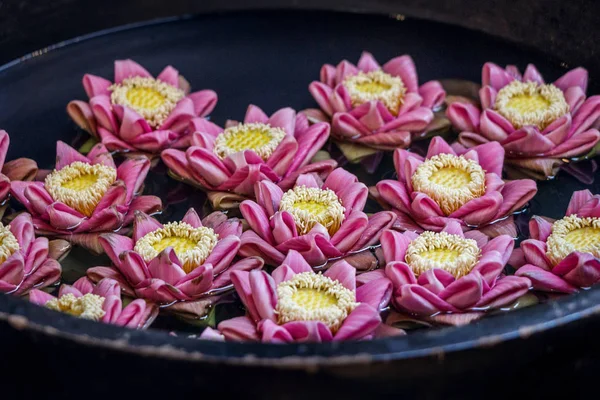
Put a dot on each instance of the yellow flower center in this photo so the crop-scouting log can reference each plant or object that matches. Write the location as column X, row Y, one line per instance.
column 529, row 103
column 8, row 243
column 450, row 181
column 310, row 206
column 88, row 306
column 314, row 297
column 571, row 234
column 375, row 86
column 442, row 250
column 152, row 99
column 258, row 137
column 192, row 245
column 81, row 186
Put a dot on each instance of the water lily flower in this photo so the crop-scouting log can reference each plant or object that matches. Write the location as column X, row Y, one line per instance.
column 178, row 261
column 563, row 256
column 296, row 304
column 138, row 112
column 375, row 106
column 228, row 162
column 86, row 196
column 26, row 261
column 320, row 220
column 19, row 169
column 445, row 186
column 101, row 302
column 538, row 124
column 445, row 272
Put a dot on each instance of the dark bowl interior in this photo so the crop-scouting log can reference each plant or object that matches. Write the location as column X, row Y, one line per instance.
column 268, row 59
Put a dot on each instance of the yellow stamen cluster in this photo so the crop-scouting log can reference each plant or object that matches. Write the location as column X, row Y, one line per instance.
column 376, row 86
column 261, row 138
column 192, row 245
column 314, row 297
column 88, row 306
column 450, row 181
column 529, row 103
column 571, row 234
column 81, row 186
column 442, row 250
column 8, row 243
column 152, row 99
column 310, row 206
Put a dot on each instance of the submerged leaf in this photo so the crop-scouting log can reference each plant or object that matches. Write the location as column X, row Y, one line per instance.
column 88, row 145
column 353, row 152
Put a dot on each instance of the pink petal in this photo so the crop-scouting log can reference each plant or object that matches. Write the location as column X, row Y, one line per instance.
column 504, row 292
column 433, row 94
column 377, row 293
column 63, row 217
column 464, row 116
column 169, row 75
column 404, row 67
column 579, row 199
column 239, row 329
column 167, row 267
column 207, row 165
column 40, row 298
column 400, row 274
column 494, row 76
column 241, row 283
column 204, row 102
column 464, row 292
column 479, row 210
column 133, row 267
column 490, row 157
column 81, row 113
column 321, row 93
column 66, row 155
column 494, row 126
column 419, row 300
column 95, row 85
column 223, row 253
column 540, row 228
column 516, row 194
column 533, row 75
column 367, row 62
column 308, row 331
column 254, row 245
column 350, row 231
column 545, row 280
column 128, row 69
column 264, row 294
column 257, row 219
column 255, row 114
column 535, row 253
column 579, row 269
column 575, row 77
column 344, row 273
column 361, row 322
column 296, row 262
column 394, row 245
column 438, row 146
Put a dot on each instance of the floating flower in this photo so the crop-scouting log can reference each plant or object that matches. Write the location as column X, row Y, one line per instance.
column 26, row 261
column 138, row 112
column 538, row 124
column 445, row 186
column 449, row 273
column 86, row 196
column 101, row 302
column 319, row 220
column 299, row 305
column 19, row 169
column 374, row 106
column 563, row 255
column 177, row 261
column 228, row 162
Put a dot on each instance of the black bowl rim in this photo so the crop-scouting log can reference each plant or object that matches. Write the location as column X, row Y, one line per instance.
column 24, row 316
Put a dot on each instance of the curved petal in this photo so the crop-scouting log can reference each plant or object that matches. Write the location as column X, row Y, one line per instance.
column 362, row 321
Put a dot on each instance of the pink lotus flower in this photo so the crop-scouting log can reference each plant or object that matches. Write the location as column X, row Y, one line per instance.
column 319, row 220
column 138, row 112
column 444, row 187
column 538, row 124
column 448, row 273
column 374, row 106
column 86, row 196
column 178, row 261
column 299, row 305
column 19, row 169
column 563, row 256
column 101, row 302
column 228, row 162
column 27, row 261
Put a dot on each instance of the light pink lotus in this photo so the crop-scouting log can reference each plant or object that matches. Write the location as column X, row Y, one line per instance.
column 19, row 169
column 136, row 315
column 163, row 279
column 35, row 263
column 258, row 292
column 236, row 174
column 577, row 270
column 115, row 209
column 534, row 152
column 436, row 290
column 490, row 213
column 273, row 233
column 121, row 128
column 372, row 124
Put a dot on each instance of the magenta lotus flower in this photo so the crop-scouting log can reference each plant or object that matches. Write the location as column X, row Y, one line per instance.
column 296, row 304
column 138, row 112
column 563, row 256
column 101, row 302
column 177, row 261
column 374, row 106
column 19, row 169
column 445, row 187
column 86, row 196
column 538, row 124
column 26, row 261
column 449, row 273
column 231, row 160
column 319, row 220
